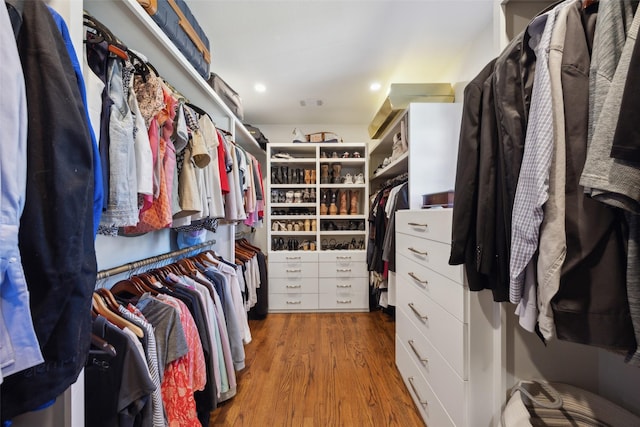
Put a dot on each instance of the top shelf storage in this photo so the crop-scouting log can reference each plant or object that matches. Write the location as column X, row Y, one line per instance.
column 131, row 23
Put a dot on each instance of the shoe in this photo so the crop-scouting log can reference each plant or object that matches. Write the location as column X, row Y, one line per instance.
column 313, row 176
column 282, row 156
column 348, row 179
column 334, row 155
column 312, row 196
column 298, row 136
column 356, row 155
column 323, row 155
column 345, row 155
column 359, row 179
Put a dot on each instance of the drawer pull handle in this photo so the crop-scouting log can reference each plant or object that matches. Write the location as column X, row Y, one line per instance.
column 343, row 301
column 293, row 257
column 417, row 313
column 415, row 251
column 294, row 302
column 415, row 224
column 294, row 270
column 417, row 279
column 343, row 257
column 415, row 350
column 293, row 286
column 422, row 401
column 343, row 270
column 343, row 286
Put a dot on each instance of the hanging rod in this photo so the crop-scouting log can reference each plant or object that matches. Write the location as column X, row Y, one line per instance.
column 103, row 274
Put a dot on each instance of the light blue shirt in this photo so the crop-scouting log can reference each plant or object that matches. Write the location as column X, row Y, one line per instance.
column 19, row 348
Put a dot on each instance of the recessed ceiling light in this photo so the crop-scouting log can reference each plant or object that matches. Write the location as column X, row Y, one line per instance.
column 375, row 87
column 259, row 87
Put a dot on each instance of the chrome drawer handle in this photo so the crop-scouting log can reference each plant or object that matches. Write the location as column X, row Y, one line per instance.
column 293, row 257
column 417, row 279
column 343, row 301
column 422, row 401
column 417, row 313
column 343, row 257
column 415, row 350
column 415, row 251
column 294, row 270
column 343, row 286
column 294, row 302
column 293, row 286
column 343, row 270
column 415, row 224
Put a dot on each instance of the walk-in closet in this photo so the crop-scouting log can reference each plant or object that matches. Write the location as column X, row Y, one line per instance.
column 319, row 213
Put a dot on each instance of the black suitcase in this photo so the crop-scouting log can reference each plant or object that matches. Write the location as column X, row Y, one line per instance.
column 258, row 136
column 229, row 96
column 176, row 20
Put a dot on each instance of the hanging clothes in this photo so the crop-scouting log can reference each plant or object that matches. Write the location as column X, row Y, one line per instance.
column 56, row 236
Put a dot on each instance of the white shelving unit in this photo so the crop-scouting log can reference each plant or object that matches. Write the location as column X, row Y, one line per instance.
column 327, row 271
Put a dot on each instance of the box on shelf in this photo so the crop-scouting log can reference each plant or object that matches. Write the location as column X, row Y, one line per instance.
column 399, row 98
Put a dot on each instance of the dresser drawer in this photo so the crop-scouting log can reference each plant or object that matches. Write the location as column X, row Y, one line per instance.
column 343, row 257
column 431, row 409
column 449, row 294
column 429, row 224
column 429, row 253
column 444, row 381
column 344, row 293
column 293, row 302
column 286, row 270
column 442, row 329
column 331, row 269
column 305, row 285
column 293, row 258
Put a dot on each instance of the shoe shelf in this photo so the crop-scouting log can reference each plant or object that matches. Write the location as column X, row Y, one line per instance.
column 296, row 205
column 346, row 217
column 342, row 160
column 276, row 186
column 295, row 160
column 394, row 168
column 293, row 233
column 343, row 185
column 342, row 232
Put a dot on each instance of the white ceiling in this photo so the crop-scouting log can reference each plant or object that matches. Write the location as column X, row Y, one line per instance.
column 333, row 50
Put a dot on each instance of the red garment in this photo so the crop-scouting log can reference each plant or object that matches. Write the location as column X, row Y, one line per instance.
column 184, row 376
column 222, row 166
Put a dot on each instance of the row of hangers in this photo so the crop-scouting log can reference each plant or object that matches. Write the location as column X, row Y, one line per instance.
column 105, row 303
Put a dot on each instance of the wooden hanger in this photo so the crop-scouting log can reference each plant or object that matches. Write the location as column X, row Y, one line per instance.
column 102, row 346
column 101, row 308
column 109, row 299
column 587, row 3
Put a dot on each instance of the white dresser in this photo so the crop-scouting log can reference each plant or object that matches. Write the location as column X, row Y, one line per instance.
column 318, row 281
column 444, row 332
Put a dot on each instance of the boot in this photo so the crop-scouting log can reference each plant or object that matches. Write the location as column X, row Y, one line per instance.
column 285, row 175
column 343, row 203
column 274, row 175
column 333, row 208
column 307, row 176
column 324, row 174
column 335, row 175
column 313, row 176
column 353, row 210
column 324, row 202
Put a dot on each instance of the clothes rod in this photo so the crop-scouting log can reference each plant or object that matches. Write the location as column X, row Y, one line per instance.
column 103, row 274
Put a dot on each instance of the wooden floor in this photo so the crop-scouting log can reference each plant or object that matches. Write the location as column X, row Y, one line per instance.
column 320, row 369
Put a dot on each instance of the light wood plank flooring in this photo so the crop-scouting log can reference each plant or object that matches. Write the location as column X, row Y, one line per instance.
column 320, row 369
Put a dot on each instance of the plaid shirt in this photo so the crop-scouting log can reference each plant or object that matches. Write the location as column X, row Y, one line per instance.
column 533, row 182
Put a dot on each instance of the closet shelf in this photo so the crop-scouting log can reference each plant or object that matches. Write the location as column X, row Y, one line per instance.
column 342, row 232
column 343, row 185
column 341, row 160
column 342, row 217
column 276, row 186
column 294, row 160
column 293, row 205
column 293, row 233
column 399, row 165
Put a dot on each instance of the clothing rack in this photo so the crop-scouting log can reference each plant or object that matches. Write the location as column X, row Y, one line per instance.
column 104, row 274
